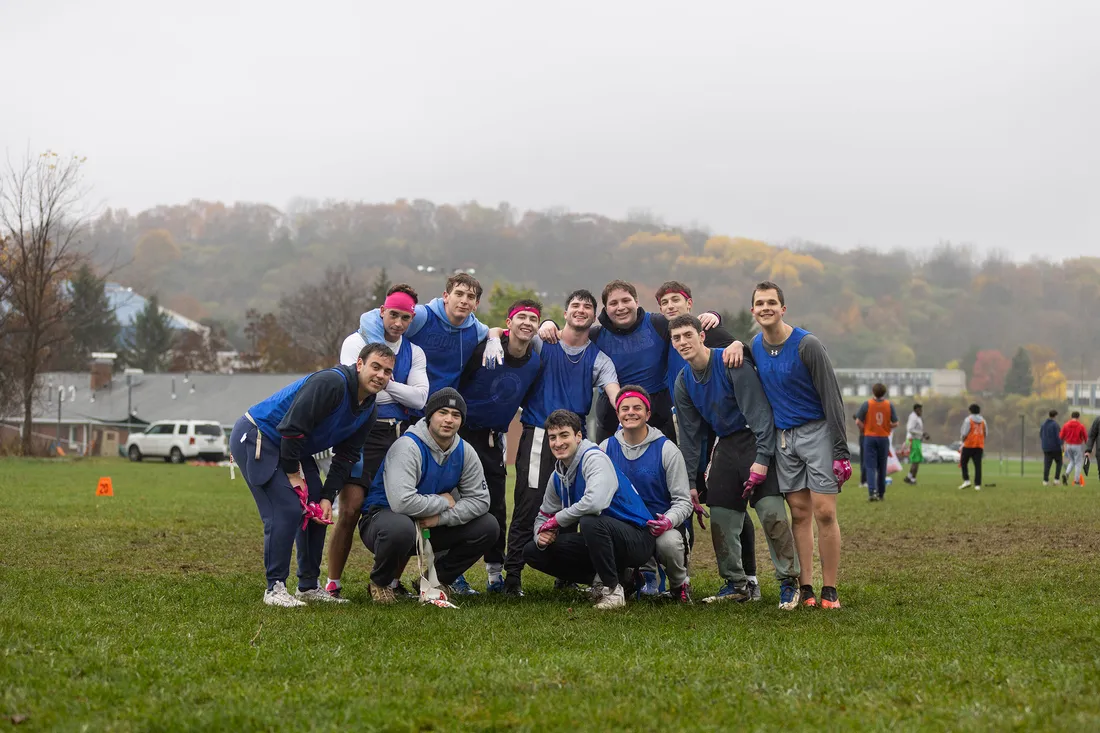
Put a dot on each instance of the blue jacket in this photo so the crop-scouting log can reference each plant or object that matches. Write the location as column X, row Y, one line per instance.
column 1048, row 434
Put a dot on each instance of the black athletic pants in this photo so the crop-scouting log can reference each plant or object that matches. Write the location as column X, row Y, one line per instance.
column 1055, row 457
column 490, row 449
column 392, row 539
column 527, row 496
column 974, row 454
column 604, row 546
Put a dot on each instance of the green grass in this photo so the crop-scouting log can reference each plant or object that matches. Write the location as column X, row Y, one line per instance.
column 963, row 610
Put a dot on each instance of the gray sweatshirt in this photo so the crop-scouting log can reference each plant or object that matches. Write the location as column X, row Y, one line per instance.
column 751, row 400
column 600, row 484
column 676, row 475
column 402, row 472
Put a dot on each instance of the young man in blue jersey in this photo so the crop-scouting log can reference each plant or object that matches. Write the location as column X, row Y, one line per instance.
column 637, row 343
column 675, row 299
column 446, row 329
column 571, row 368
column 407, row 391
column 812, row 457
column 657, row 471
column 586, row 490
column 731, row 402
column 430, row 479
column 273, row 444
column 493, row 397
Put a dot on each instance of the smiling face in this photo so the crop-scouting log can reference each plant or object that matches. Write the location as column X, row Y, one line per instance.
column 523, row 326
column 621, row 308
column 374, row 373
column 460, row 303
column 766, row 308
column 564, row 442
column 395, row 322
column 688, row 343
column 580, row 314
column 443, row 425
column 632, row 413
column 674, row 304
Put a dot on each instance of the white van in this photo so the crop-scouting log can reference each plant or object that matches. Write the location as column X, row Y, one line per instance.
column 177, row 440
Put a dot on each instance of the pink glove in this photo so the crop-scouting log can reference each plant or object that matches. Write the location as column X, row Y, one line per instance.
column 550, row 525
column 699, row 511
column 313, row 510
column 755, row 479
column 303, row 496
column 842, row 469
column 659, row 526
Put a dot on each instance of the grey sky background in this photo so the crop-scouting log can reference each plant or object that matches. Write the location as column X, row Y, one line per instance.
column 845, row 123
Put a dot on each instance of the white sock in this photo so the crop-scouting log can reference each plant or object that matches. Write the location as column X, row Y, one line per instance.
column 495, row 570
column 752, row 579
column 333, row 580
column 395, row 582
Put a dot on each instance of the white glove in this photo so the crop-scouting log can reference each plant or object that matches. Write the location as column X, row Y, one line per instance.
column 494, row 354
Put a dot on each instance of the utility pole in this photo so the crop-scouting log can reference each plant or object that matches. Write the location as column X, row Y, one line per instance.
column 60, row 396
column 1022, row 418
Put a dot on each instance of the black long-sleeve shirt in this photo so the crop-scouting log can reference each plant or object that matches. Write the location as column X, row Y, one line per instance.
column 316, row 399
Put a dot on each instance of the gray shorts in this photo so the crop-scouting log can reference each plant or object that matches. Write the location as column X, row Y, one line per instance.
column 804, row 459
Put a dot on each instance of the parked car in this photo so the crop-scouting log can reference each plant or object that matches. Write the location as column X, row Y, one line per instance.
column 935, row 453
column 177, row 440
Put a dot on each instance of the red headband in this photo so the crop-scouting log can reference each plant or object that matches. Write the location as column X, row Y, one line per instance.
column 400, row 301
column 623, row 395
column 522, row 308
column 681, row 292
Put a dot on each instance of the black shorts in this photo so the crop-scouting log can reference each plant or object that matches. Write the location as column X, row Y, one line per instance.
column 728, row 471
column 381, row 436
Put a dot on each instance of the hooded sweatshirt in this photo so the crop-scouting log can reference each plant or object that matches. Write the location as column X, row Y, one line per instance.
column 1048, row 436
column 402, row 471
column 672, row 461
column 601, row 484
column 973, row 431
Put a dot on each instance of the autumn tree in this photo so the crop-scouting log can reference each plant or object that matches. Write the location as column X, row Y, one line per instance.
column 1019, row 379
column 502, row 295
column 1047, row 378
column 41, row 223
column 990, row 368
column 319, row 316
column 272, row 350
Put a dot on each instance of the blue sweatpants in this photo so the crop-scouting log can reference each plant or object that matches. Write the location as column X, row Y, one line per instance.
column 279, row 507
column 878, row 450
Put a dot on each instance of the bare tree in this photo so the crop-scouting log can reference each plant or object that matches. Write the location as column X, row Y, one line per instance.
column 41, row 220
column 319, row 316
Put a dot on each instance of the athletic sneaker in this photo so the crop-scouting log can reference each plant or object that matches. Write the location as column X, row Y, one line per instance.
column 650, row 585
column 789, row 595
column 614, row 599
column 495, row 586
column 333, row 590
column 808, row 599
column 402, row 591
column 318, row 595
column 1065, row 479
column 965, row 484
column 977, row 488
column 513, row 586
column 754, row 591
column 384, row 596
column 909, row 480
column 680, row 593
column 560, row 584
column 597, row 590
column 738, row 592
column 461, row 588
column 277, row 596
column 872, row 497
column 881, row 497
column 829, row 598
column 863, row 485
column 1046, row 483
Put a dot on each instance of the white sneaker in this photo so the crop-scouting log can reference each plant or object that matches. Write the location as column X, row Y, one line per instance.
column 614, row 599
column 965, row 484
column 977, row 488
column 318, row 595
column 1046, row 483
column 278, row 596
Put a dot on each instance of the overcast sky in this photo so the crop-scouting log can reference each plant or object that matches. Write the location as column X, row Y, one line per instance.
column 846, row 123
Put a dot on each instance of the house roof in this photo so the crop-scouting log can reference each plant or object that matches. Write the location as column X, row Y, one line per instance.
column 218, row 397
column 127, row 305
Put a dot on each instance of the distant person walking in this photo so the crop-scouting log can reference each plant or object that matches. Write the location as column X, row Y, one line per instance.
column 862, row 455
column 914, row 431
column 1074, row 435
column 877, row 418
column 1094, row 436
column 973, row 434
column 1051, row 439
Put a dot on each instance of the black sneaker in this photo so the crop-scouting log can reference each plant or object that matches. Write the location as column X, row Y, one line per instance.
column 566, row 585
column 872, row 497
column 808, row 598
column 680, row 593
column 754, row 591
column 829, row 598
column 513, row 586
column 1065, row 479
column 402, row 591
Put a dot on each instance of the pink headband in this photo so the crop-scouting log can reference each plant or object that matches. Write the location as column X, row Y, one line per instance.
column 400, row 301
column 623, row 395
column 522, row 308
column 681, row 292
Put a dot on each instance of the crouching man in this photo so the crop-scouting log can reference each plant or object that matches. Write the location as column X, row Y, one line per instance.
column 587, row 490
column 656, row 469
column 430, row 478
column 273, row 444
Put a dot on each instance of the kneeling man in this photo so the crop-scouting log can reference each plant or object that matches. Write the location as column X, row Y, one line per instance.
column 430, row 478
column 587, row 490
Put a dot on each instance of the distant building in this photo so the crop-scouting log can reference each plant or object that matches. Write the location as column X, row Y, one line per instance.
column 1082, row 393
column 127, row 305
column 903, row 382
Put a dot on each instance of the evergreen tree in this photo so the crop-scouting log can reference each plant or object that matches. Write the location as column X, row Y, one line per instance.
column 149, row 344
column 742, row 325
column 1019, row 379
column 379, row 287
column 91, row 321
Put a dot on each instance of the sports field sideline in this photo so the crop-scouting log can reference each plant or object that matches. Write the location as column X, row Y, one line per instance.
column 962, row 610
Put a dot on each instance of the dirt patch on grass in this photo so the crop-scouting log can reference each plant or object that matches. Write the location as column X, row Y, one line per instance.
column 993, row 540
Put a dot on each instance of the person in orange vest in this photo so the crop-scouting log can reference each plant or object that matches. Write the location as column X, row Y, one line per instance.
column 1073, row 435
column 974, row 430
column 876, row 418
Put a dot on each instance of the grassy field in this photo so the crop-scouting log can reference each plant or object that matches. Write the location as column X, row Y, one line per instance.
column 963, row 610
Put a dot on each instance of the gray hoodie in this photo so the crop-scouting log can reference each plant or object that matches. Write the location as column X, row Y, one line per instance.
column 402, row 472
column 600, row 484
column 976, row 419
column 676, row 475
